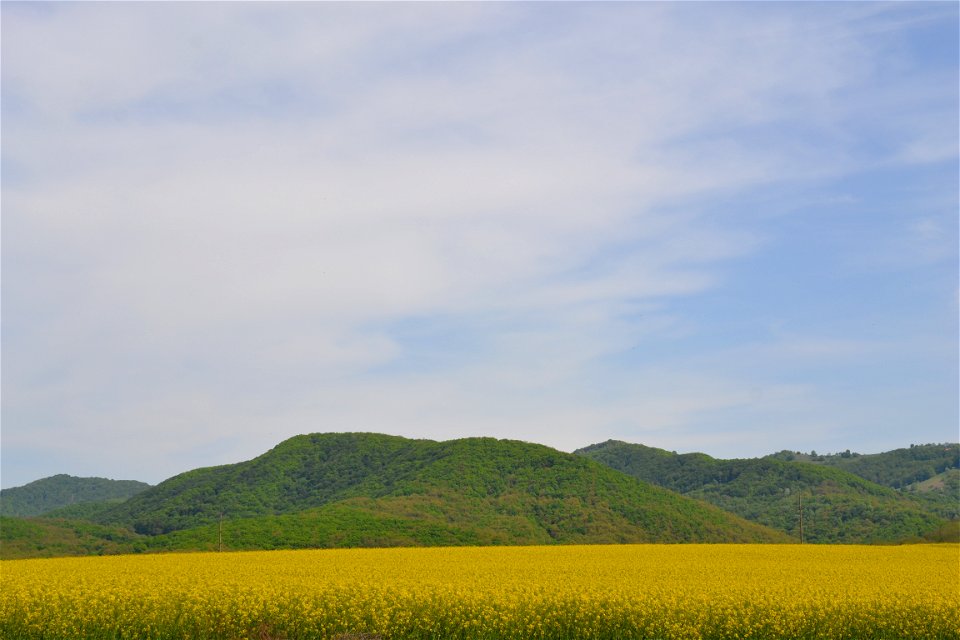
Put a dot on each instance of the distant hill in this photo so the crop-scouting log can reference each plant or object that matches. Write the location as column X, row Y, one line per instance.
column 362, row 489
column 838, row 506
column 56, row 492
column 358, row 489
column 898, row 469
column 928, row 473
column 352, row 489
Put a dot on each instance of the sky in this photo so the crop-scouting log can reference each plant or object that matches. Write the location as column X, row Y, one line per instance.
column 728, row 228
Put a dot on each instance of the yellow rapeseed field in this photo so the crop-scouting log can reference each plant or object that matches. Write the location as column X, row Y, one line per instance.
column 575, row 592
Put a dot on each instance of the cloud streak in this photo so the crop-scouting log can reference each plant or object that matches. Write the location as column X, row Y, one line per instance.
column 233, row 223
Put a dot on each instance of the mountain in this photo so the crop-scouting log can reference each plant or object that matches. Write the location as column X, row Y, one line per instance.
column 837, row 505
column 56, row 492
column 350, row 489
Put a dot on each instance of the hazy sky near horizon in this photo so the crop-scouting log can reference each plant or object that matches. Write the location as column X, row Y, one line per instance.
column 729, row 228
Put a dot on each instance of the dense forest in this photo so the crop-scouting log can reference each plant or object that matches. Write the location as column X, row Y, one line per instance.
column 900, row 468
column 362, row 489
column 325, row 490
column 60, row 491
column 838, row 503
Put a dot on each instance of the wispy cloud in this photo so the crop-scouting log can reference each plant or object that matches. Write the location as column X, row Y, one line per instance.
column 235, row 222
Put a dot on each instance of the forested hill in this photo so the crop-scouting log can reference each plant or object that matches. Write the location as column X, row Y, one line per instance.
column 899, row 468
column 481, row 489
column 56, row 492
column 363, row 489
column 838, row 506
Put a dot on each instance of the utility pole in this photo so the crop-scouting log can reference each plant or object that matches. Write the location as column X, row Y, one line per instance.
column 220, row 534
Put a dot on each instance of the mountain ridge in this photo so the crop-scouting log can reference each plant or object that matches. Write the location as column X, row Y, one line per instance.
column 316, row 470
column 367, row 489
column 839, row 506
column 356, row 489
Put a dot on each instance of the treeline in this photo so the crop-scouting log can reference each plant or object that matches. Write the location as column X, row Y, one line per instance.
column 361, row 489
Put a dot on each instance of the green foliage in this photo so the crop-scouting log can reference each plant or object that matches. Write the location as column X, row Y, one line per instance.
column 838, row 506
column 947, row 532
column 327, row 490
column 354, row 489
column 898, row 469
column 497, row 489
column 43, row 496
column 84, row 510
column 929, row 474
column 43, row 537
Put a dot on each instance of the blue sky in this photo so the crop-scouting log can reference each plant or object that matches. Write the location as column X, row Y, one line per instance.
column 728, row 228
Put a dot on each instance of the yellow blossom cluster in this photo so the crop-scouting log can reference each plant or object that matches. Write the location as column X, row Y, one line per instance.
column 576, row 592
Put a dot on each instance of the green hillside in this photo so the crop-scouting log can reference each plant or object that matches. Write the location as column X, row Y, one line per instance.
column 927, row 473
column 898, row 469
column 48, row 537
column 342, row 490
column 470, row 491
column 46, row 495
column 947, row 483
column 838, row 506
column 361, row 489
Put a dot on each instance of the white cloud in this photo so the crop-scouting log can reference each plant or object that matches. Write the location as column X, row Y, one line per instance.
column 216, row 212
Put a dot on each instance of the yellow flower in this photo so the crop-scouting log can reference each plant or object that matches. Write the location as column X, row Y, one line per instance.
column 670, row 592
